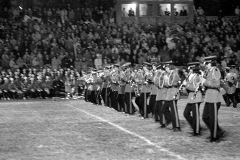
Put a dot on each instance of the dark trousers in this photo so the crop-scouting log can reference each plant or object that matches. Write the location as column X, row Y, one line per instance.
column 9, row 94
column 86, row 95
column 210, row 118
column 166, row 111
column 98, row 97
column 108, row 97
column 104, row 96
column 192, row 115
column 158, row 112
column 143, row 105
column 237, row 95
column 128, row 101
column 174, row 114
column 114, row 103
column 121, row 103
column 230, row 98
column 93, row 97
column 152, row 104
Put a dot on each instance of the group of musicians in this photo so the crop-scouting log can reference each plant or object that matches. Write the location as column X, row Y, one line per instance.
column 45, row 83
column 154, row 89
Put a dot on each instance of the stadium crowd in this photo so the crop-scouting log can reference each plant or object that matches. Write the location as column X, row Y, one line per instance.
column 82, row 38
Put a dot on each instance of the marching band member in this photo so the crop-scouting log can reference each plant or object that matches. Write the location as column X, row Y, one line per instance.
column 105, row 82
column 24, row 87
column 161, row 83
column 172, row 98
column 58, row 85
column 212, row 99
column 128, row 89
column 121, row 91
column 1, row 89
column 72, row 81
column 153, row 93
column 114, row 87
column 79, row 85
column 94, row 87
column 32, row 87
column 12, row 89
column 99, row 83
column 86, row 87
column 47, row 87
column 5, row 88
column 193, row 87
column 17, row 82
column 145, row 91
column 109, row 90
column 38, row 86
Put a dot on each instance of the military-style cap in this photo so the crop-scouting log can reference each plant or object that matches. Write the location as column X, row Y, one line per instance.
column 193, row 65
column 116, row 65
column 99, row 71
column 168, row 63
column 108, row 67
column 94, row 71
column 232, row 66
column 126, row 64
column 154, row 63
column 210, row 59
column 159, row 66
column 147, row 64
column 138, row 66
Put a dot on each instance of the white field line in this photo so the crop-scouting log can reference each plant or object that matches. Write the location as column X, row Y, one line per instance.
column 131, row 133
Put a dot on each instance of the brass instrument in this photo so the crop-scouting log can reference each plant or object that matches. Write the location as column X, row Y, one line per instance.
column 199, row 85
column 134, row 80
column 180, row 89
column 204, row 76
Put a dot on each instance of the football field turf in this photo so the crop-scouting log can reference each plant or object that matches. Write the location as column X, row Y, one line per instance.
column 74, row 129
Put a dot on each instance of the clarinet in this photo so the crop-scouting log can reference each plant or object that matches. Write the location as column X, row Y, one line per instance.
column 196, row 91
column 181, row 86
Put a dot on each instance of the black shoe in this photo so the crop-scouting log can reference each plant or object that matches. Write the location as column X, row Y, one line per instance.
column 167, row 124
column 176, row 130
column 214, row 140
column 196, row 134
column 163, row 126
column 222, row 134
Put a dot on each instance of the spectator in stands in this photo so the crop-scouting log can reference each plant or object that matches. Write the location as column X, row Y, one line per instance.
column 160, row 11
column 167, row 12
column 237, row 11
column 20, row 63
column 200, row 11
column 12, row 64
column 55, row 63
column 98, row 61
column 131, row 13
column 183, row 12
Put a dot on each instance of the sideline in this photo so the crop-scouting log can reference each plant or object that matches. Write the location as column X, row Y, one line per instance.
column 131, row 133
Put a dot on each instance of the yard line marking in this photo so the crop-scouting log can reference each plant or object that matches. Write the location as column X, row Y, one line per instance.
column 131, row 133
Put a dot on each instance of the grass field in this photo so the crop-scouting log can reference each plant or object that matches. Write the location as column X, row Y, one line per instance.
column 67, row 130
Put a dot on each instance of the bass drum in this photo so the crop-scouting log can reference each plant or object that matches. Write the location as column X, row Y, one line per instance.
column 222, row 91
